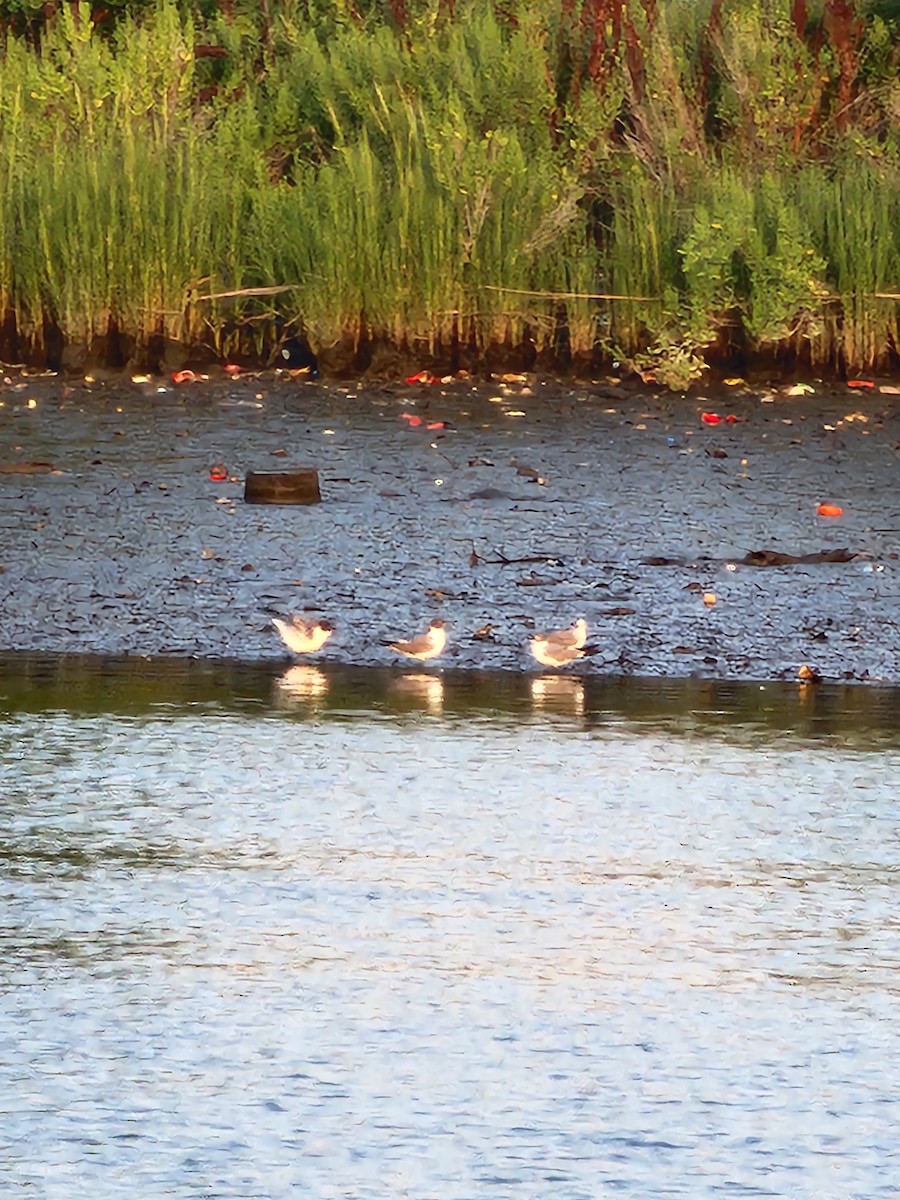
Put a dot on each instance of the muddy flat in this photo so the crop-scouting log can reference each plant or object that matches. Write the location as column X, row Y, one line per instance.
column 690, row 547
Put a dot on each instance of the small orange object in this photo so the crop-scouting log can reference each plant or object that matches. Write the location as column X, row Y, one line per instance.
column 709, row 599
column 183, row 377
column 218, row 472
column 232, row 369
column 710, row 418
column 732, row 419
column 861, row 384
column 422, row 377
column 436, row 425
column 830, row 510
column 411, row 418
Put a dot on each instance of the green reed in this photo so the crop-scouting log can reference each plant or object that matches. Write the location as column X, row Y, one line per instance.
column 853, row 211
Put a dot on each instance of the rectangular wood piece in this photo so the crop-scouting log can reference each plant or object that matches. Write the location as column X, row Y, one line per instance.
column 300, row 486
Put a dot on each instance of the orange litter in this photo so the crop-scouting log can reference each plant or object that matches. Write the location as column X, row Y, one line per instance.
column 830, row 510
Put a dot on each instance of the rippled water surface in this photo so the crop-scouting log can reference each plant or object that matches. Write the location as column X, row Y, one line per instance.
column 361, row 934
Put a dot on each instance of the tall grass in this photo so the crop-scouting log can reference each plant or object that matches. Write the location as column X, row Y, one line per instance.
column 638, row 182
column 854, row 215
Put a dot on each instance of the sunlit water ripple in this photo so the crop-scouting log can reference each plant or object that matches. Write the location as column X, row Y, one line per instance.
column 372, row 953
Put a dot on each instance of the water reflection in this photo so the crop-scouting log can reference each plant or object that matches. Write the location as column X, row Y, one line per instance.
column 561, row 694
column 82, row 684
column 418, row 692
column 302, row 682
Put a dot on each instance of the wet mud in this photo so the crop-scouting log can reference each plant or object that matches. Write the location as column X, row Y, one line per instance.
column 692, row 549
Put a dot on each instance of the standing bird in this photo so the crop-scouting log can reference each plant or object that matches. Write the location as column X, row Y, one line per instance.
column 562, row 646
column 427, row 645
column 303, row 637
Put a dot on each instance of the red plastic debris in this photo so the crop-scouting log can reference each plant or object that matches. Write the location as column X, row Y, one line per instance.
column 183, row 377
column 436, row 425
column 232, row 369
column 732, row 419
column 709, row 418
column 830, row 510
column 411, row 418
column 861, row 384
column 218, row 472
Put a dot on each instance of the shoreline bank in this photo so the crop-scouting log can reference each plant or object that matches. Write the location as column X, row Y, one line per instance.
column 535, row 504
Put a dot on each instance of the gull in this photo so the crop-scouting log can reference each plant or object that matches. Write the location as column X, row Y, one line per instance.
column 427, row 645
column 303, row 637
column 562, row 646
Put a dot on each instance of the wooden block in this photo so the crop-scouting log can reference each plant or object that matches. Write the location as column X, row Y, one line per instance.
column 283, row 487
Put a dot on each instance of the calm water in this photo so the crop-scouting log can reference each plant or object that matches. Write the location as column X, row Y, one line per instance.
column 356, row 934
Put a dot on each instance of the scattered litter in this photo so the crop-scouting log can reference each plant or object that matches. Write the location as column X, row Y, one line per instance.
column 709, row 599
column 218, row 472
column 830, row 510
column 860, row 384
column 808, row 674
column 232, row 369
column 183, row 377
column 800, row 389
column 711, row 418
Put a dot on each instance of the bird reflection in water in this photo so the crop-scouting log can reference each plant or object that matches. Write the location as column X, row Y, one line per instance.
column 558, row 693
column 424, row 691
column 302, row 682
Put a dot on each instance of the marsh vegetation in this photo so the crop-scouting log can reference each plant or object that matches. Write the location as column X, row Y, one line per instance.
column 654, row 181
